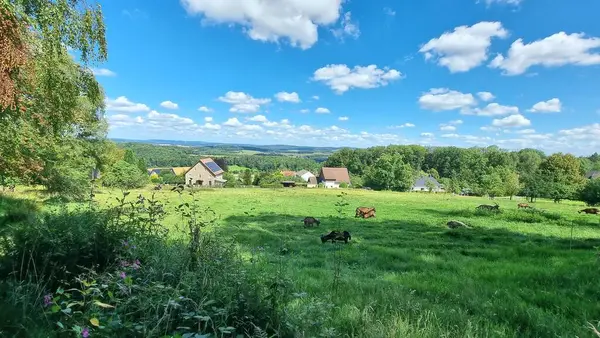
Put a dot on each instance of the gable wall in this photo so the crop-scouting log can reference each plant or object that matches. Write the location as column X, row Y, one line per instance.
column 200, row 173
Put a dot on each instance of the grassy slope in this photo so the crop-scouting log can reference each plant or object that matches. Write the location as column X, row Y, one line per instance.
column 405, row 274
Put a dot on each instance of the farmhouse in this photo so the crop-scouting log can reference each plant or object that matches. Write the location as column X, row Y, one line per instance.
column 421, row 184
column 592, row 175
column 180, row 171
column 305, row 175
column 205, row 173
column 312, row 182
column 333, row 177
column 288, row 173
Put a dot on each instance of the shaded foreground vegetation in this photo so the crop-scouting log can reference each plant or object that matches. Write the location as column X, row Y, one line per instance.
column 254, row 269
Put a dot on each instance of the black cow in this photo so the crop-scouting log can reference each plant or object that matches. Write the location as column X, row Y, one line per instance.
column 336, row 236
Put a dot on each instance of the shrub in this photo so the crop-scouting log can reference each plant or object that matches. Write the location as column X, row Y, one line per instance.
column 125, row 175
column 170, row 178
column 344, row 185
column 590, row 194
column 154, row 178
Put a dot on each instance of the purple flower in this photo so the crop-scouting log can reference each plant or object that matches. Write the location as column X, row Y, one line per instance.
column 47, row 300
column 85, row 332
column 124, row 263
column 122, row 274
column 136, row 265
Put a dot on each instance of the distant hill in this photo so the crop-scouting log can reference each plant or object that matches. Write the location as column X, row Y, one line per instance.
column 277, row 148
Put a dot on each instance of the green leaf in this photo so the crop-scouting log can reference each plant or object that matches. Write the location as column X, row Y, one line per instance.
column 95, row 322
column 59, row 324
column 55, row 308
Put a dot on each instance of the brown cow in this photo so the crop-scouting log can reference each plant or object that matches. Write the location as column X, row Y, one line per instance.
column 311, row 221
column 365, row 212
column 593, row 211
column 523, row 205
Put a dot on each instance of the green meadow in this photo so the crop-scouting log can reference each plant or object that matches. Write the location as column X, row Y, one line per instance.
column 517, row 273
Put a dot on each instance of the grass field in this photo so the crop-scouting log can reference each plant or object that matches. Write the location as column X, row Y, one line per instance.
column 405, row 274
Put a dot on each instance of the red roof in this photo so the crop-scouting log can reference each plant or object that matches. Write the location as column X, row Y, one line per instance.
column 288, row 173
column 335, row 174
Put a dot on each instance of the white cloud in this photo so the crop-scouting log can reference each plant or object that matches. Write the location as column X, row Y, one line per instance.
column 526, row 131
column 169, row 105
column 492, row 109
column 205, row 109
column 486, row 96
column 169, row 122
column 211, row 126
column 556, row 50
column 271, row 21
column 340, row 78
column 551, row 106
column 429, row 135
column 450, row 136
column 233, row 122
column 586, row 133
column 488, row 128
column 405, row 125
column 315, row 97
column 304, row 111
column 258, row 118
column 465, row 48
column 388, row 11
column 347, row 28
column 343, row 118
column 447, row 128
column 455, row 122
column 122, row 120
column 122, row 104
column 516, row 120
column 288, row 97
column 438, row 99
column 242, row 102
column 503, row 2
column 208, row 119
column 103, row 72
column 322, row 110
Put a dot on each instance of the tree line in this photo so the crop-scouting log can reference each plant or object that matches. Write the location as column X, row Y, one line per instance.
column 480, row 171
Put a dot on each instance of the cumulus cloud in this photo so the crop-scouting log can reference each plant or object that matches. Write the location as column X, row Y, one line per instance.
column 455, row 122
column 439, row 99
column 322, row 110
column 169, row 105
column 122, row 104
column 526, row 131
column 208, row 119
column 464, row 48
column 502, row 2
column 450, row 136
column 486, row 96
column 271, row 21
column 205, row 109
column 405, row 125
column 492, row 109
column 304, row 111
column 211, row 126
column 343, row 118
column 103, row 72
column 516, row 120
column 428, row 135
column 447, row 128
column 556, row 50
column 258, row 118
column 242, row 102
column 232, row 122
column 315, row 97
column 288, row 97
column 340, row 78
column 551, row 106
column 586, row 133
column 122, row 120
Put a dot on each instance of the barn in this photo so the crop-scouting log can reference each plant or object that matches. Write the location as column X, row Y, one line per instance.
column 205, row 173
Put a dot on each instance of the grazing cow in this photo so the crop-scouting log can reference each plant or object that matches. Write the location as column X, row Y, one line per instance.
column 336, row 236
column 365, row 212
column 523, row 206
column 309, row 221
column 593, row 211
column 489, row 207
column 456, row 224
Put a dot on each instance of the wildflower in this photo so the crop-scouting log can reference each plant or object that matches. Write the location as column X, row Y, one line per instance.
column 123, row 275
column 85, row 333
column 136, row 265
column 47, row 300
column 124, row 263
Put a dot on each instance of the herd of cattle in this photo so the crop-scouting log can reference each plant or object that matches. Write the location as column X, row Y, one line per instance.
column 368, row 212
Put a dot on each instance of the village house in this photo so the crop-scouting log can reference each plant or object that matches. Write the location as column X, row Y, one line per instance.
column 333, row 177
column 305, row 175
column 205, row 173
column 312, row 182
column 421, row 184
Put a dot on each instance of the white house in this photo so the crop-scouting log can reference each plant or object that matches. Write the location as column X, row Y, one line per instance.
column 305, row 175
column 205, row 173
column 421, row 184
column 333, row 177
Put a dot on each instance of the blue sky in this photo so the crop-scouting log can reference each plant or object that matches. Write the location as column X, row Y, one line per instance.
column 515, row 73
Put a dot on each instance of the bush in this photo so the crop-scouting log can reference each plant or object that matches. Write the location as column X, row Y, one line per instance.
column 154, row 178
column 344, row 185
column 125, row 175
column 170, row 178
column 590, row 194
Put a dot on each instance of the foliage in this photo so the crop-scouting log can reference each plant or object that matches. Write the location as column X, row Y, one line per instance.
column 154, row 178
column 390, row 172
column 232, row 180
column 430, row 184
column 590, row 194
column 169, row 178
column 124, row 175
column 270, row 180
column 247, row 178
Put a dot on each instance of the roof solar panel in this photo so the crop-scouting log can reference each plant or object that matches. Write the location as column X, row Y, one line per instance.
column 213, row 167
